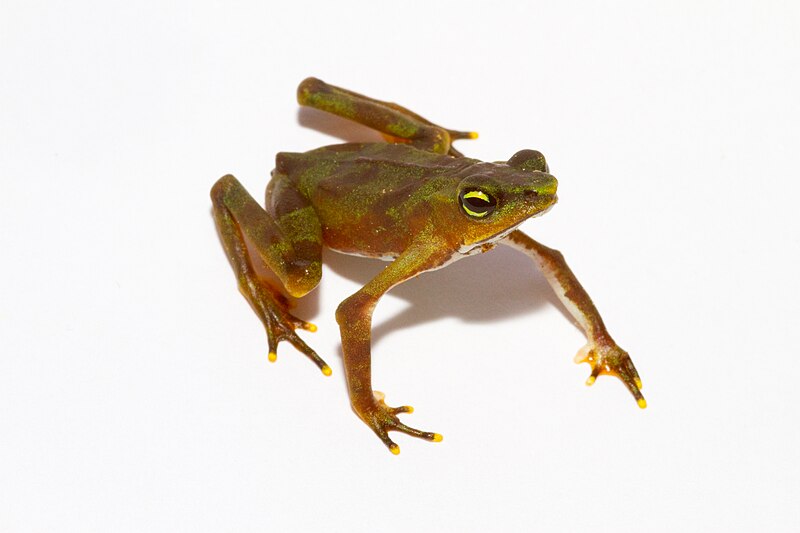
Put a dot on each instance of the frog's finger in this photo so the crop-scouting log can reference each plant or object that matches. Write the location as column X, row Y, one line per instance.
column 404, row 409
column 298, row 323
column 272, row 346
column 305, row 349
column 634, row 374
column 585, row 355
column 637, row 394
column 631, row 383
column 628, row 373
column 593, row 376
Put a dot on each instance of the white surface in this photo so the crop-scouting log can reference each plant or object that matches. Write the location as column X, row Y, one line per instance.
column 135, row 392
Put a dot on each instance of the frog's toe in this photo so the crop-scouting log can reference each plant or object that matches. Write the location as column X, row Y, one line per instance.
column 427, row 435
column 297, row 323
column 305, row 349
column 383, row 434
column 281, row 327
column 389, row 443
column 456, row 135
column 383, row 419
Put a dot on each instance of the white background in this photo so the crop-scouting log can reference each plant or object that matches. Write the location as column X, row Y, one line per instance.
column 135, row 392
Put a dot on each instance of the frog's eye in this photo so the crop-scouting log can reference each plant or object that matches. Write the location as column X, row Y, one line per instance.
column 477, row 204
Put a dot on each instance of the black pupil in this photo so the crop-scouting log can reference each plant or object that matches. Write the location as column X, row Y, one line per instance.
column 478, row 205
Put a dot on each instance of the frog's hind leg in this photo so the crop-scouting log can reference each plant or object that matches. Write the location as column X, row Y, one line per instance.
column 287, row 238
column 394, row 121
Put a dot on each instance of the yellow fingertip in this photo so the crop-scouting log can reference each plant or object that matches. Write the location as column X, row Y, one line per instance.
column 642, row 402
column 272, row 357
column 409, row 409
column 590, row 381
column 437, row 437
column 311, row 327
column 472, row 134
column 638, row 383
column 326, row 370
column 395, row 449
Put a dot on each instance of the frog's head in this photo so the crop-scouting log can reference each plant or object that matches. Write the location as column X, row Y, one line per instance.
column 494, row 198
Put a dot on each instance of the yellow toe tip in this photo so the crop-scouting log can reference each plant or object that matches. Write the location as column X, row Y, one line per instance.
column 437, row 437
column 272, row 357
column 327, row 370
column 311, row 327
column 395, row 449
column 409, row 409
column 642, row 402
column 472, row 134
column 590, row 381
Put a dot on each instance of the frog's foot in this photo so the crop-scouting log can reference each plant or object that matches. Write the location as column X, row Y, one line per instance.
column 454, row 136
column 611, row 359
column 280, row 324
column 383, row 419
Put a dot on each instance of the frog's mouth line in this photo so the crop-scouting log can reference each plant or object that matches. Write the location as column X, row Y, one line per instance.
column 472, row 248
column 546, row 209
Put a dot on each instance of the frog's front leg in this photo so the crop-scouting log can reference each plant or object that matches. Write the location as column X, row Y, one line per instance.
column 601, row 352
column 393, row 120
column 354, row 316
column 287, row 238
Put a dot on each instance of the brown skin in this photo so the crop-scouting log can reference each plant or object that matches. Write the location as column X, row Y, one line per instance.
column 415, row 200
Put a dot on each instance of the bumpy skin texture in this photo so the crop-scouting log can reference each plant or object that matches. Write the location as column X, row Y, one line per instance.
column 414, row 200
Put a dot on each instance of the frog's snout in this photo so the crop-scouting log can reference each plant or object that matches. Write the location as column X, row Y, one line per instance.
column 547, row 185
column 543, row 188
column 542, row 193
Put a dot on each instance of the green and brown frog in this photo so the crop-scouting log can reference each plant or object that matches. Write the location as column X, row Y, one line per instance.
column 414, row 200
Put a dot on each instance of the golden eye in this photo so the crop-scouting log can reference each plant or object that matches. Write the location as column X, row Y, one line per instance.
column 477, row 204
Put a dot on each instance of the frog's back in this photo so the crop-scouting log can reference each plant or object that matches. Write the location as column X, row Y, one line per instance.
column 370, row 197
column 311, row 169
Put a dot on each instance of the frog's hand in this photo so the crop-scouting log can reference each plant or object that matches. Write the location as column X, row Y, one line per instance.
column 608, row 358
column 397, row 123
column 354, row 316
column 601, row 352
column 238, row 215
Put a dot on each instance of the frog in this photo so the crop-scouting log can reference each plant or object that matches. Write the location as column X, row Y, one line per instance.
column 413, row 200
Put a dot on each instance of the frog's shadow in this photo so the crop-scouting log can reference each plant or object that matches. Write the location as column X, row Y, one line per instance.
column 486, row 288
column 346, row 130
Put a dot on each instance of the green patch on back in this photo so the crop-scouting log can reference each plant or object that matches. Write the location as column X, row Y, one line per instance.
column 313, row 174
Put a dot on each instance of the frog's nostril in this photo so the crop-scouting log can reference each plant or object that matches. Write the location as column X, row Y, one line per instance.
column 547, row 187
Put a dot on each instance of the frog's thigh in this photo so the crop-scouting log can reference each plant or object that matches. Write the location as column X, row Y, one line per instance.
column 300, row 228
column 385, row 117
column 285, row 240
